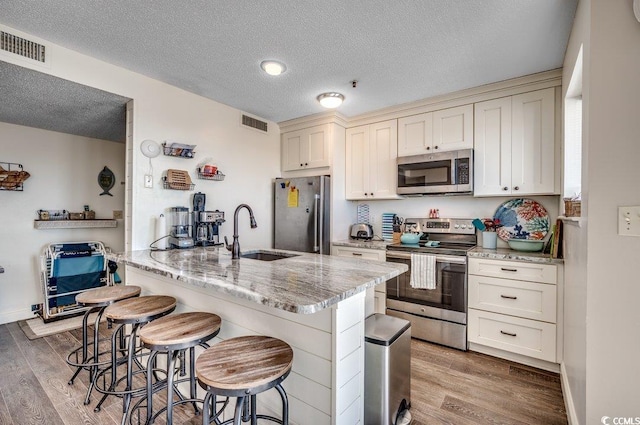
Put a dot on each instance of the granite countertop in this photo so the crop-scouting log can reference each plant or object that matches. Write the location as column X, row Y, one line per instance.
column 305, row 283
column 510, row 254
column 355, row 243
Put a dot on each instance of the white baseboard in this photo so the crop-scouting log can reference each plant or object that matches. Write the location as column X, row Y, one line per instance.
column 14, row 316
column 572, row 417
column 515, row 357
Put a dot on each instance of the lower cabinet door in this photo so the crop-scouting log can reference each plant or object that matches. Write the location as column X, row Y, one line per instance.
column 514, row 334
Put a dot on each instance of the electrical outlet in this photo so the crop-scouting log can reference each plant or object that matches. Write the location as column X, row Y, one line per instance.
column 148, row 180
column 117, row 215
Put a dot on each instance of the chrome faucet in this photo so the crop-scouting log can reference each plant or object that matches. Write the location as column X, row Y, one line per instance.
column 235, row 247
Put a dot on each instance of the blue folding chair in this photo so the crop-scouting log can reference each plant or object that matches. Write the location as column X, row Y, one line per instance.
column 69, row 268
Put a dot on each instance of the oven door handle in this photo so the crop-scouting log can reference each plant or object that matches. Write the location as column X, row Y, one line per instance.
column 439, row 258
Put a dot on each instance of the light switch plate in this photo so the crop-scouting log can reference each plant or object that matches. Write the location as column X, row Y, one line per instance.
column 629, row 221
column 148, row 180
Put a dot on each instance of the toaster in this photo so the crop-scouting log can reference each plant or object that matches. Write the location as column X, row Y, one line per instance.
column 361, row 231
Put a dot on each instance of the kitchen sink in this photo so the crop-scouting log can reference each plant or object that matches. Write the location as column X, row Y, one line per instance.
column 266, row 255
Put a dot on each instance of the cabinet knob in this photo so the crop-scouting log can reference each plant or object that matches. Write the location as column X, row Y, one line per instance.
column 435, row 147
column 301, row 165
column 305, row 164
column 505, row 188
column 516, row 188
column 428, row 147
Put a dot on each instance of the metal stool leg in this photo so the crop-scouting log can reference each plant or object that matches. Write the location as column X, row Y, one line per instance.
column 171, row 357
column 126, row 398
column 285, row 404
column 115, row 337
column 93, row 371
column 192, row 378
column 150, row 375
column 237, row 417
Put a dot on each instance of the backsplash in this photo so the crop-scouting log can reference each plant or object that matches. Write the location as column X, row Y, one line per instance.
column 450, row 207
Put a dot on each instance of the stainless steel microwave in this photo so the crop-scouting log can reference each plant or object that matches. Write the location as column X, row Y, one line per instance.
column 447, row 173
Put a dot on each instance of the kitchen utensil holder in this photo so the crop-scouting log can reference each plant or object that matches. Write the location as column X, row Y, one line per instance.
column 490, row 240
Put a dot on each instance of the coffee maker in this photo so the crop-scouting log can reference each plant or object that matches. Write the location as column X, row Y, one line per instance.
column 207, row 223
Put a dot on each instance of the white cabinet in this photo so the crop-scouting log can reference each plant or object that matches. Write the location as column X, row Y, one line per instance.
column 371, row 152
column 444, row 130
column 514, row 145
column 513, row 307
column 306, row 148
column 376, row 299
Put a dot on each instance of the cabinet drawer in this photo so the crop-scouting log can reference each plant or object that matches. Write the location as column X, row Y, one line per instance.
column 529, row 300
column 513, row 334
column 366, row 254
column 533, row 272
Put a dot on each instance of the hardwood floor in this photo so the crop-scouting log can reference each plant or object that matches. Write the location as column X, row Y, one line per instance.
column 448, row 387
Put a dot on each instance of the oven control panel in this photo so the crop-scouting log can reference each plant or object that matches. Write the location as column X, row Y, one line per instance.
column 444, row 225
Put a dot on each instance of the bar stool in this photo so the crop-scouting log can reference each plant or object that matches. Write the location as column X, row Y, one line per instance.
column 135, row 312
column 243, row 367
column 173, row 335
column 97, row 300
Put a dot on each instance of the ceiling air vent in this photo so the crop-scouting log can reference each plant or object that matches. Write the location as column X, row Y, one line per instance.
column 22, row 47
column 254, row 123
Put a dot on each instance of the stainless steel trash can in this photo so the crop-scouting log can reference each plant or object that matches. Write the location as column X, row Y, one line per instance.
column 387, row 379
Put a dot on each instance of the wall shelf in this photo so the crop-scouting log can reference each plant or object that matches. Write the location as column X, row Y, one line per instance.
column 73, row 224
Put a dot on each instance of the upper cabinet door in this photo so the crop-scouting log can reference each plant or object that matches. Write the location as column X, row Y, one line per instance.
column 415, row 134
column 453, row 128
column 291, row 156
column 533, row 142
column 357, row 162
column 315, row 147
column 383, row 152
column 307, row 148
column 492, row 151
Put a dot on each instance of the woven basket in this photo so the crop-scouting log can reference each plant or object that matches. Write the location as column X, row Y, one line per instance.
column 572, row 208
column 178, row 180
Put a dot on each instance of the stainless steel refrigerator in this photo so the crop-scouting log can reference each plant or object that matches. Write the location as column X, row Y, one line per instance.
column 302, row 206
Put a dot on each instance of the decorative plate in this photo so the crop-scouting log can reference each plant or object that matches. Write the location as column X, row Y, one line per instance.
column 522, row 218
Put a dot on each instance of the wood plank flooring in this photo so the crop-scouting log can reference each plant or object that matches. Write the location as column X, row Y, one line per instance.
column 448, row 387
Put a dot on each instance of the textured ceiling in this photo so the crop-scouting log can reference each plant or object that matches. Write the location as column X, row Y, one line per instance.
column 34, row 99
column 399, row 51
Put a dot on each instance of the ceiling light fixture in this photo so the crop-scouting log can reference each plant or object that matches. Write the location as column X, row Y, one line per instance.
column 330, row 100
column 273, row 67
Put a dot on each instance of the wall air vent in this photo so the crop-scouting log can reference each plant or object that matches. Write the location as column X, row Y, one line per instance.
column 22, row 47
column 254, row 123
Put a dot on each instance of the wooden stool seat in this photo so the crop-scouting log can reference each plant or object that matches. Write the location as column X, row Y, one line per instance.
column 175, row 335
column 180, row 330
column 140, row 309
column 244, row 364
column 107, row 295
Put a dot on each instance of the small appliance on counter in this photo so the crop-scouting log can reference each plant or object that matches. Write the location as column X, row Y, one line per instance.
column 181, row 228
column 361, row 231
column 206, row 223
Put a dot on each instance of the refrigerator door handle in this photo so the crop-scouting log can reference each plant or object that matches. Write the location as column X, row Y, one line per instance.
column 316, row 215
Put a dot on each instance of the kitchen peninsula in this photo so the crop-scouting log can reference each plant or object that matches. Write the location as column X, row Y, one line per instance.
column 316, row 303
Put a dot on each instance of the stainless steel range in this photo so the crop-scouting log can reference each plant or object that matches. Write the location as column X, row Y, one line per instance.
column 438, row 315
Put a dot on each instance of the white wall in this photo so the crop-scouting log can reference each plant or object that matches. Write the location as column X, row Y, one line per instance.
column 613, row 269
column 64, row 175
column 602, row 292
column 575, row 242
column 249, row 158
column 450, row 207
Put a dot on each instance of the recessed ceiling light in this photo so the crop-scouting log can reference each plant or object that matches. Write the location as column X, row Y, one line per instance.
column 330, row 100
column 273, row 67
